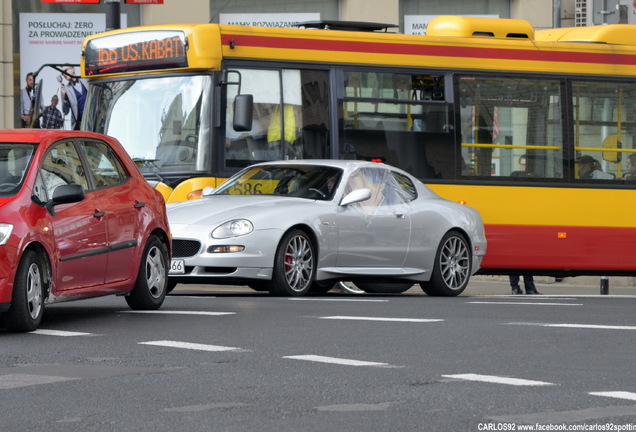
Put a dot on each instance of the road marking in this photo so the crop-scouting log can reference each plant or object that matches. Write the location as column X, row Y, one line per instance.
column 525, row 303
column 362, row 318
column 577, row 326
column 169, row 312
column 334, row 360
column 190, row 346
column 13, row 381
column 59, row 333
column 337, row 299
column 498, row 380
column 616, row 394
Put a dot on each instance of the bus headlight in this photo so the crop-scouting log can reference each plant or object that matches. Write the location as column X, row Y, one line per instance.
column 5, row 233
column 233, row 228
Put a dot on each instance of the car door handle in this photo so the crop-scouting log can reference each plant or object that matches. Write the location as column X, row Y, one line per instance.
column 399, row 215
column 139, row 204
column 99, row 214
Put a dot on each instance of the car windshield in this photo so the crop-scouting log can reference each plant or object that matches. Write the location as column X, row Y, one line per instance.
column 163, row 122
column 14, row 163
column 302, row 181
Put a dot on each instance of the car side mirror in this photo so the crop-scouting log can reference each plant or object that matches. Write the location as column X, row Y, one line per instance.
column 65, row 194
column 355, row 196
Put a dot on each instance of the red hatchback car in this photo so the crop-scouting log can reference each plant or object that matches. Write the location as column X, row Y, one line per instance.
column 77, row 220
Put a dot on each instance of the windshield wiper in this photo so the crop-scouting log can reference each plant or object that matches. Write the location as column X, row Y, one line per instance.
column 154, row 168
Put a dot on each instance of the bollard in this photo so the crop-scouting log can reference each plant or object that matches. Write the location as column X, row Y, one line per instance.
column 604, row 285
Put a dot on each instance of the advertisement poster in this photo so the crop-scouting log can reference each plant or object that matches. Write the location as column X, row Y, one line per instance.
column 55, row 38
column 267, row 19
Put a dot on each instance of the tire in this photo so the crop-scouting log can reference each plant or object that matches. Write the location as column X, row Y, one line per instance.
column 294, row 265
column 451, row 270
column 152, row 281
column 384, row 288
column 27, row 302
column 171, row 285
column 322, row 287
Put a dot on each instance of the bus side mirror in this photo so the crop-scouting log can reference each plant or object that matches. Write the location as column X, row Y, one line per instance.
column 243, row 112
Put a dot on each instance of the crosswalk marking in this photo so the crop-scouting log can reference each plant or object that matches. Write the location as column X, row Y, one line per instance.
column 576, row 326
column 176, row 312
column 189, row 345
column 524, row 303
column 498, row 380
column 334, row 360
column 61, row 333
column 363, row 318
column 616, row 394
column 337, row 299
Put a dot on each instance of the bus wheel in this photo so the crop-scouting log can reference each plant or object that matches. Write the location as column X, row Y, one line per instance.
column 451, row 270
column 322, row 287
column 152, row 280
column 27, row 302
column 294, row 265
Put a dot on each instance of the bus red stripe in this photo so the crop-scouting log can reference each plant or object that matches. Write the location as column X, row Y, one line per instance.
column 560, row 247
column 429, row 50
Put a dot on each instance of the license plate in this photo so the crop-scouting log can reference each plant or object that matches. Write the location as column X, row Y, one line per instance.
column 177, row 267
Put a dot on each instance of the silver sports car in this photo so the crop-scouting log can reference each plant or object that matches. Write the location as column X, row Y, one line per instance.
column 293, row 227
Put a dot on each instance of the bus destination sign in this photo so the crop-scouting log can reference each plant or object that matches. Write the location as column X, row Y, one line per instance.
column 129, row 53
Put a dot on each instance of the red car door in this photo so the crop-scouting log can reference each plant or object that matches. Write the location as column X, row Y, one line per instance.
column 123, row 210
column 79, row 229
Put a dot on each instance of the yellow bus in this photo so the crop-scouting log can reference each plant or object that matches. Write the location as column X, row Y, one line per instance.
column 535, row 129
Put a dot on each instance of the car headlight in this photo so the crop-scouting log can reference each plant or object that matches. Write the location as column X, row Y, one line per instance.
column 5, row 233
column 233, row 228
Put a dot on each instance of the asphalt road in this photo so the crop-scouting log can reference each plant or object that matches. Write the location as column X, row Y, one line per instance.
column 229, row 359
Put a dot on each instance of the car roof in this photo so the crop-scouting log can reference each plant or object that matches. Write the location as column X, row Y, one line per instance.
column 336, row 163
column 37, row 135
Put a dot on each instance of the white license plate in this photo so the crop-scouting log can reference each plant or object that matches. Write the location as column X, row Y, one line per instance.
column 177, row 267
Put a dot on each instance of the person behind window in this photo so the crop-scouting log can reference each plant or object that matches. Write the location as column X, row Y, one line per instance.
column 523, row 169
column 630, row 168
column 590, row 168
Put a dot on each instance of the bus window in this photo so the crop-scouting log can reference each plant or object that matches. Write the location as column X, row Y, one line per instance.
column 397, row 118
column 604, row 122
column 290, row 117
column 506, row 118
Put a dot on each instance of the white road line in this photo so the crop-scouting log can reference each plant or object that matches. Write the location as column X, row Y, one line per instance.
column 362, row 318
column 334, row 360
column 170, row 312
column 577, row 326
column 616, row 394
column 498, row 380
column 525, row 303
column 336, row 299
column 59, row 333
column 190, row 346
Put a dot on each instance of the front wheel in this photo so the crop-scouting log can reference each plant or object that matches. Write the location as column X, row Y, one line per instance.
column 294, row 265
column 27, row 303
column 451, row 270
column 152, row 280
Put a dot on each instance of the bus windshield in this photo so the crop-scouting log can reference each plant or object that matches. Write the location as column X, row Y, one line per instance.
column 163, row 122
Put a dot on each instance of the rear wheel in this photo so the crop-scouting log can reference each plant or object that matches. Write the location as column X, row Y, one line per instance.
column 294, row 265
column 152, row 281
column 451, row 270
column 27, row 302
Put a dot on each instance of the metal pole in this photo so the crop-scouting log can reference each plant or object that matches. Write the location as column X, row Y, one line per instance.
column 556, row 13
column 113, row 21
column 604, row 285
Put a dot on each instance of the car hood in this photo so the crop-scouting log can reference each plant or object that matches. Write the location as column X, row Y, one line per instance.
column 220, row 208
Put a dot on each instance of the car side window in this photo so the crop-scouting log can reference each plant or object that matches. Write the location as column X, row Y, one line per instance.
column 106, row 168
column 384, row 187
column 404, row 186
column 62, row 165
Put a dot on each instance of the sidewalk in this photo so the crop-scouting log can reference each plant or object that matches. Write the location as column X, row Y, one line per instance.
column 499, row 285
